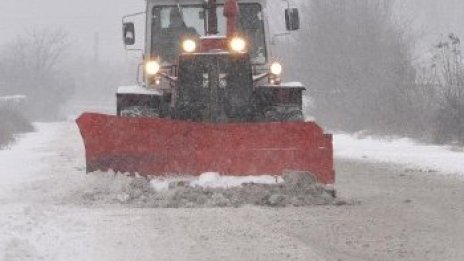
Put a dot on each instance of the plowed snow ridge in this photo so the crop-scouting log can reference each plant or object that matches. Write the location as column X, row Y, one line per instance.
column 400, row 151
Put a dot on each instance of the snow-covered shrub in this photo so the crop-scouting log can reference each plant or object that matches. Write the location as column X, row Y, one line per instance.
column 12, row 122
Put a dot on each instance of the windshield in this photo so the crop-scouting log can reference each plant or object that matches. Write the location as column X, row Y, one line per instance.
column 171, row 24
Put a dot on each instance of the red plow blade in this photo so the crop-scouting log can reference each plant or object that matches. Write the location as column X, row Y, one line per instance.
column 161, row 147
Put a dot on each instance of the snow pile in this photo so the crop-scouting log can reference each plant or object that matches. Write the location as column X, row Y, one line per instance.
column 104, row 188
column 400, row 151
column 208, row 190
column 214, row 180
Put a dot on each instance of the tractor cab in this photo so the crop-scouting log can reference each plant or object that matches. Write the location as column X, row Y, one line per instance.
column 210, row 61
column 176, row 29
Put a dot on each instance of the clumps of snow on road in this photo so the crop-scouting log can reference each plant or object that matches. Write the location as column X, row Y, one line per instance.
column 209, row 190
column 400, row 151
column 215, row 180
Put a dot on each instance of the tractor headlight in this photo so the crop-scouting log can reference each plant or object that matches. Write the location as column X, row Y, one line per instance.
column 189, row 46
column 238, row 44
column 152, row 67
column 276, row 68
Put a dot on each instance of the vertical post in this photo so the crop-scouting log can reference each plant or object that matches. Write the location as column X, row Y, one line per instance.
column 212, row 18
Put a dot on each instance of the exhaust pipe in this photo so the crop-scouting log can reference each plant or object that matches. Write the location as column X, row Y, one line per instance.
column 231, row 12
column 212, row 18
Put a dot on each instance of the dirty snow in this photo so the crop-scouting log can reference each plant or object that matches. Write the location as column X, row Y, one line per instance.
column 209, row 190
column 215, row 180
column 400, row 151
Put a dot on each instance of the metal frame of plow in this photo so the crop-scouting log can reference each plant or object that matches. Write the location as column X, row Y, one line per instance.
column 162, row 147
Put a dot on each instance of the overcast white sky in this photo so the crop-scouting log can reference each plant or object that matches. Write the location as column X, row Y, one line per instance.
column 434, row 18
column 83, row 18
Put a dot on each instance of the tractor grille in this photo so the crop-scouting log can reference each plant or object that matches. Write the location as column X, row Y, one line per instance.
column 214, row 88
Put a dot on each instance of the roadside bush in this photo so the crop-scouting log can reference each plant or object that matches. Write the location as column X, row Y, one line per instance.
column 11, row 123
column 447, row 76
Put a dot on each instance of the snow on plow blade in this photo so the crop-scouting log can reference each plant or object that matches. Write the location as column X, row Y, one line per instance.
column 160, row 147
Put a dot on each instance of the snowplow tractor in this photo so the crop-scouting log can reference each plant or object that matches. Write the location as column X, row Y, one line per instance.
column 210, row 99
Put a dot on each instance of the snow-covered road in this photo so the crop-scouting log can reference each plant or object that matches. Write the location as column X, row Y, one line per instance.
column 393, row 213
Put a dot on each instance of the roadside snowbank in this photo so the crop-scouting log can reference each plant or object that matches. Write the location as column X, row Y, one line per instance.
column 400, row 151
column 25, row 159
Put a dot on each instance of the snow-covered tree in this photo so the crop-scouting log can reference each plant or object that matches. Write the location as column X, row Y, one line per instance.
column 32, row 65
